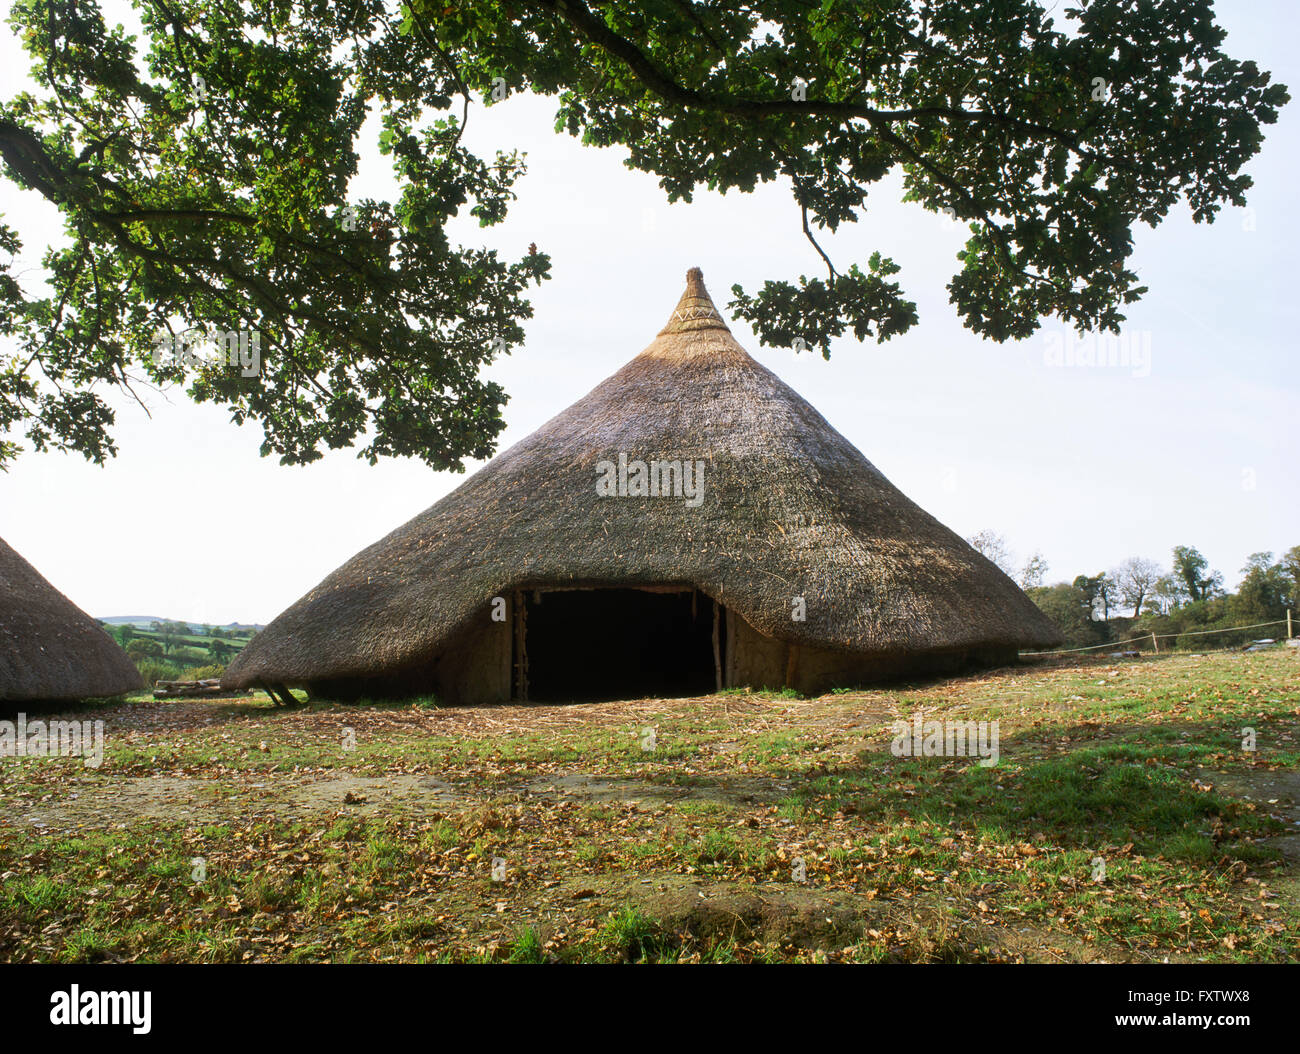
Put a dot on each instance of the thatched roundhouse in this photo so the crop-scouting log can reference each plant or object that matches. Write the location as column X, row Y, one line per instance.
column 689, row 524
column 50, row 648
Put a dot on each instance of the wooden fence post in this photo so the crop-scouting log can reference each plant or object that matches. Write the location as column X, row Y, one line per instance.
column 1155, row 643
column 1289, row 634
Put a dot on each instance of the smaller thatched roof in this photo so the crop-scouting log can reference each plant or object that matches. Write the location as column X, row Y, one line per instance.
column 49, row 647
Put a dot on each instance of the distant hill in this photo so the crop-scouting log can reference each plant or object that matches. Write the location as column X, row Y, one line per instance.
column 145, row 621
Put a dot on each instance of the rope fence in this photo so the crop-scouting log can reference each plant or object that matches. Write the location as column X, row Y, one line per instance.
column 1158, row 636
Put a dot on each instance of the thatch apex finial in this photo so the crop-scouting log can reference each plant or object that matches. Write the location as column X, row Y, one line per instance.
column 695, row 310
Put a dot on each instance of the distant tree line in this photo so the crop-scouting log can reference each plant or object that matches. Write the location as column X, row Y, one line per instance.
column 1141, row 597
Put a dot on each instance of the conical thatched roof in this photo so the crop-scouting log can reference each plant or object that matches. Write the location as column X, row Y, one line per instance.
column 49, row 647
column 791, row 509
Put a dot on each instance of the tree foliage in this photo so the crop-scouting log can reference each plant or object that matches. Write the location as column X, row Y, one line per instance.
column 1034, row 571
column 1192, row 571
column 993, row 546
column 1135, row 581
column 144, row 648
column 1069, row 606
column 1163, row 603
column 1098, row 593
column 203, row 173
column 204, row 182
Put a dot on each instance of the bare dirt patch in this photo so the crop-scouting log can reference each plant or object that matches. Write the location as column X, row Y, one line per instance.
column 120, row 802
column 124, row 800
column 725, row 791
column 1275, row 792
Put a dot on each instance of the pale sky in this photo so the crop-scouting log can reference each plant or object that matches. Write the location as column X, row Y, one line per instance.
column 1088, row 465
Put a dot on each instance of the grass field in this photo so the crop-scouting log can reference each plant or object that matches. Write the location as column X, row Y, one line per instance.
column 191, row 640
column 1123, row 822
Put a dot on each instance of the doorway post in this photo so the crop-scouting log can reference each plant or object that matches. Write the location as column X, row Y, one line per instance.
column 717, row 644
column 521, row 652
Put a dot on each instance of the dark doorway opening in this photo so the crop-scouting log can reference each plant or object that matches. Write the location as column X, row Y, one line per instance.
column 585, row 644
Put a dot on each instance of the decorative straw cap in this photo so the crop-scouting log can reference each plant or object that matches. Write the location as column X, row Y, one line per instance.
column 695, row 310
